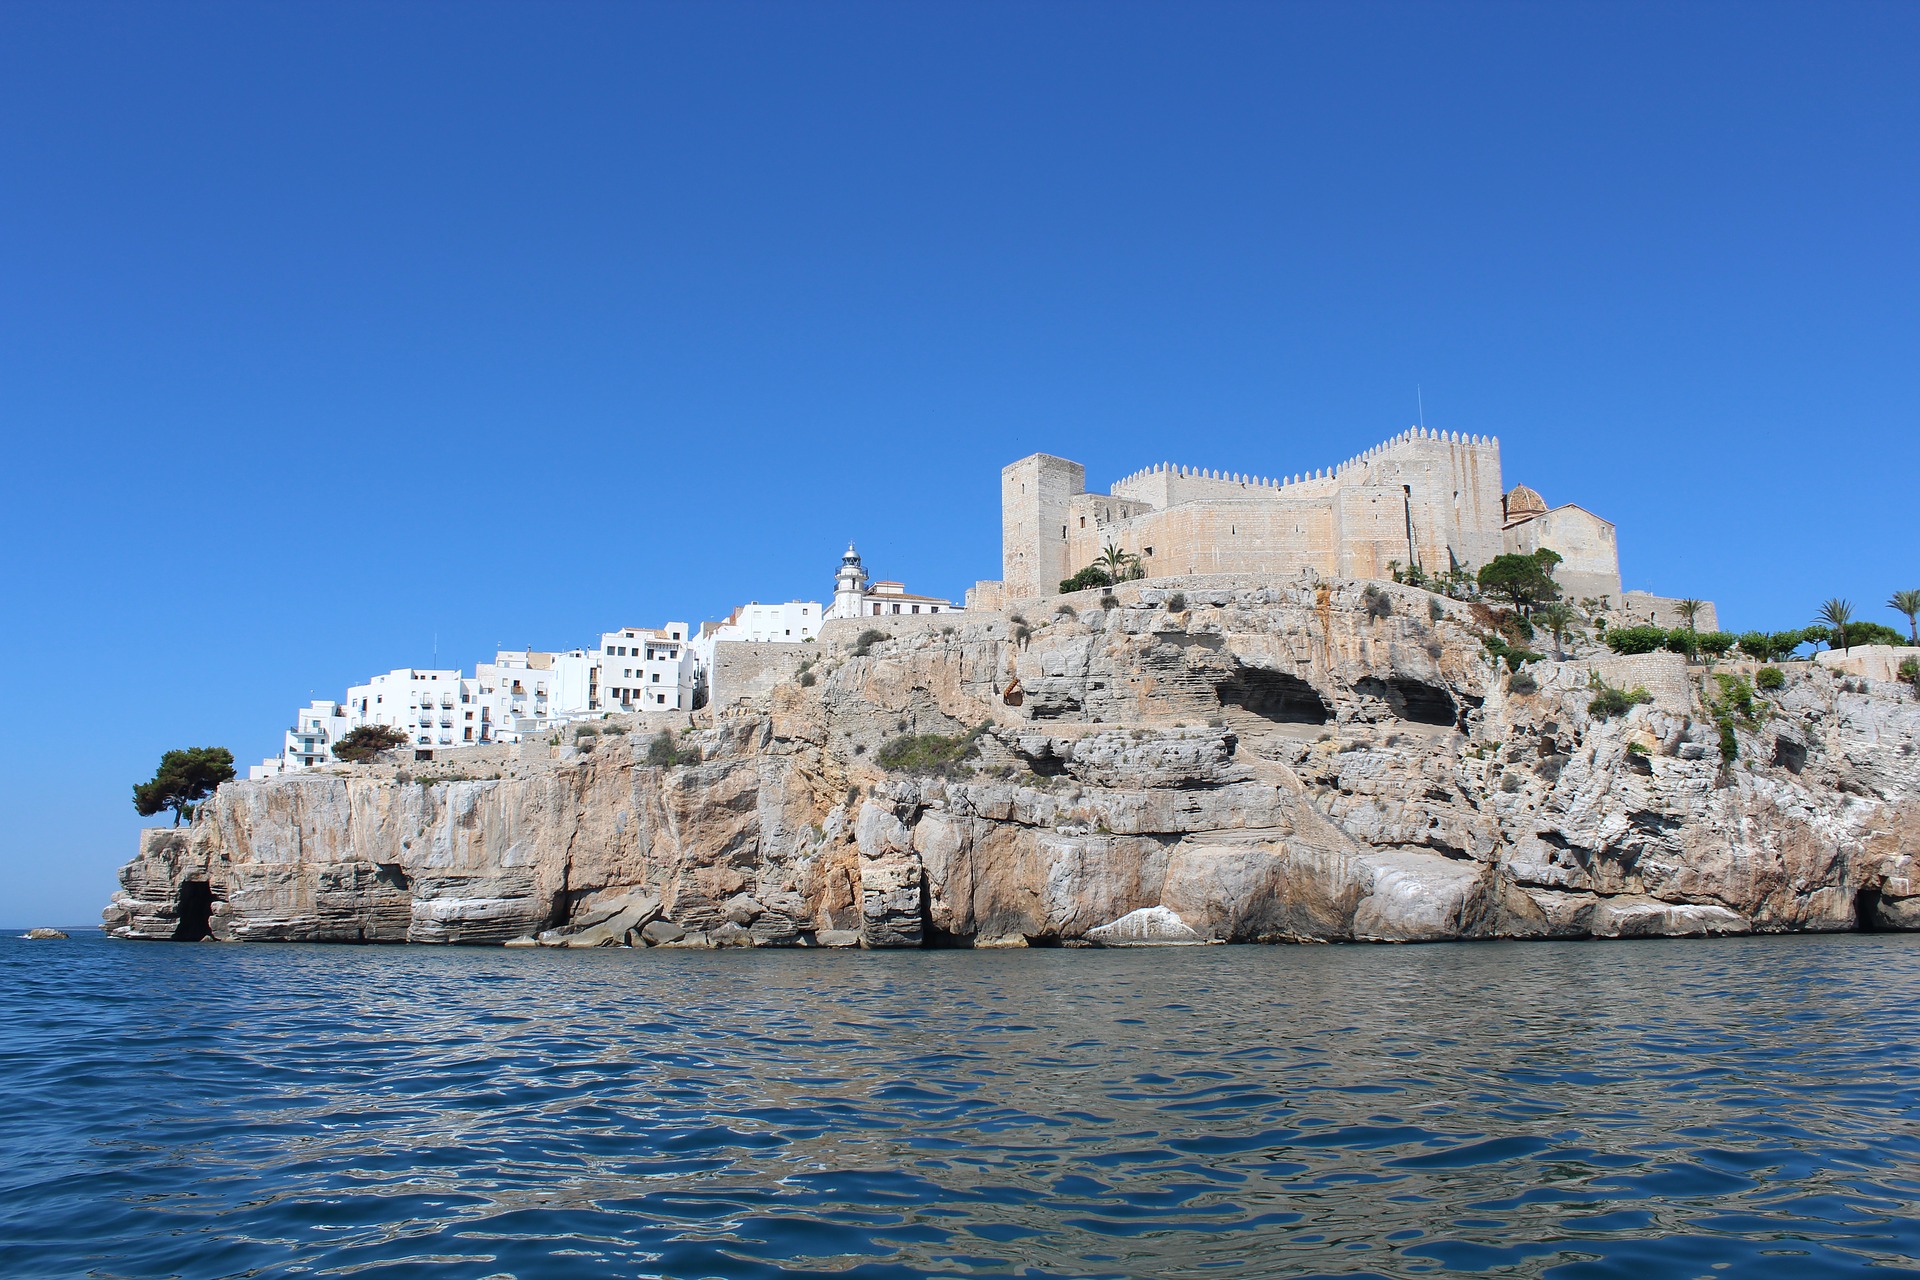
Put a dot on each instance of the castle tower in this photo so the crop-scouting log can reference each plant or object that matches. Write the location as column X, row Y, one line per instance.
column 1035, row 494
column 849, row 586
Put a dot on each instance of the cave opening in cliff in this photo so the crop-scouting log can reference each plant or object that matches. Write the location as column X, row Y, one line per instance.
column 1273, row 695
column 195, row 906
column 1866, row 911
column 1410, row 699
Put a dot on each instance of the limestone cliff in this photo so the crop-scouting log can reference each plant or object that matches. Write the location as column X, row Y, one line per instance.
column 1302, row 761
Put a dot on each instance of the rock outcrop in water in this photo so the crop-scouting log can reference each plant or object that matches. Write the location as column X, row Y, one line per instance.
column 1307, row 761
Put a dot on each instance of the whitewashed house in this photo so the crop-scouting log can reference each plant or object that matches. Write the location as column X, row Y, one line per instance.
column 647, row 669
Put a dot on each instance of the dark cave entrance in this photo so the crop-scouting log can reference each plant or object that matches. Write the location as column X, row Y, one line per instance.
column 1410, row 699
column 1273, row 695
column 1866, row 911
column 195, row 905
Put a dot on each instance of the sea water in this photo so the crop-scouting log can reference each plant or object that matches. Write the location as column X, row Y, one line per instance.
column 1728, row 1108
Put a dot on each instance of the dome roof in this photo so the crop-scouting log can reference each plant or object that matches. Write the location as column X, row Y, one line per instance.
column 1522, row 503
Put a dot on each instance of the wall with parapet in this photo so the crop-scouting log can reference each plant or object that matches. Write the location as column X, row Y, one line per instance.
column 746, row 671
column 1427, row 498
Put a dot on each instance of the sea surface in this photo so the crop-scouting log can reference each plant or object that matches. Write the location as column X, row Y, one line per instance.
column 1728, row 1108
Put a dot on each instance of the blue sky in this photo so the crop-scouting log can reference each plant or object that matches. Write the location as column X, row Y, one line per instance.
column 330, row 332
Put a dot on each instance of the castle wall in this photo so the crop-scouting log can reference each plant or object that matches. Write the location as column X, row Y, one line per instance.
column 1428, row 498
column 1247, row 537
column 1036, row 495
column 1451, row 490
column 747, row 671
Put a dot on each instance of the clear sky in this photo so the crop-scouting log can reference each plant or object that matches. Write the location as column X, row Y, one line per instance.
column 330, row 333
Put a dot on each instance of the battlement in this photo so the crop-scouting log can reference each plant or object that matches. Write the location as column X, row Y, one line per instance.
column 1166, row 483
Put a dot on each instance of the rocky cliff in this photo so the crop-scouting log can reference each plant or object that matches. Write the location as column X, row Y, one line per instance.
column 1294, row 762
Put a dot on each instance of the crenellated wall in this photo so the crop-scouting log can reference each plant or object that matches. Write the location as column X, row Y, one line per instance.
column 1424, row 497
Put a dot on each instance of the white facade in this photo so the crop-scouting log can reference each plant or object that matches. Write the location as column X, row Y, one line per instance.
column 794, row 622
column 647, row 669
column 521, row 693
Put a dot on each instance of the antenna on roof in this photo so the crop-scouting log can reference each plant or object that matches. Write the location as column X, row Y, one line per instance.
column 1421, row 403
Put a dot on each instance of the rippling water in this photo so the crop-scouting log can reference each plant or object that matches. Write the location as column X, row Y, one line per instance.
column 1737, row 1107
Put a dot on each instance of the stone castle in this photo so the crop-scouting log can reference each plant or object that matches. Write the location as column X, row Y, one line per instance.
column 1428, row 498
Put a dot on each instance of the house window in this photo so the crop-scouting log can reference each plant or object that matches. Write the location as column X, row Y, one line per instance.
column 876, row 609
column 896, row 608
column 1083, row 522
column 661, row 699
column 656, row 677
column 916, row 608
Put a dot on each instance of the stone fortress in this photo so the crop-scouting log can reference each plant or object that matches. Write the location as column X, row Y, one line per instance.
column 1428, row 498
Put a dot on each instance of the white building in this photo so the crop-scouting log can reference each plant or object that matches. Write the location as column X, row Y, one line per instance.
column 647, row 668
column 522, row 693
column 794, row 622
column 853, row 597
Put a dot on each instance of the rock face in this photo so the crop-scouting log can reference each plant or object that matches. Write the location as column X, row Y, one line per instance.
column 44, row 935
column 1223, row 763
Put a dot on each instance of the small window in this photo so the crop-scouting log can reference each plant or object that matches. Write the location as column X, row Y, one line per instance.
column 661, row 699
column 656, row 677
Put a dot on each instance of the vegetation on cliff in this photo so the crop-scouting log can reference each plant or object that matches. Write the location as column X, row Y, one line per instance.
column 184, row 778
column 364, row 743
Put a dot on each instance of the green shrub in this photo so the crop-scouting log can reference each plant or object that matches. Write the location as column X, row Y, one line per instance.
column 807, row 679
column 1091, row 576
column 1771, row 678
column 665, row 753
column 1717, row 644
column 1682, row 641
column 1379, row 603
column 1522, row 682
column 585, row 731
column 1736, row 696
column 367, row 741
column 1638, row 749
column 1066, row 611
column 1609, row 702
column 616, row 731
column 1435, row 610
column 1636, row 639
column 868, row 638
column 932, row 753
column 1514, row 655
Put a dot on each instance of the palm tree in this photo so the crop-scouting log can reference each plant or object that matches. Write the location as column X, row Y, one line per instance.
column 1837, row 613
column 1120, row 565
column 1908, row 602
column 1557, row 618
column 1689, row 611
